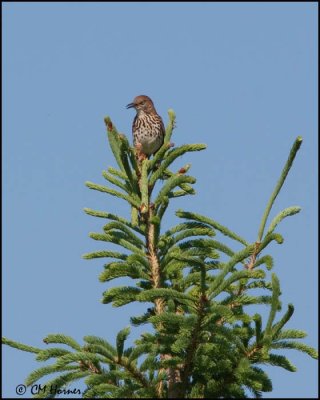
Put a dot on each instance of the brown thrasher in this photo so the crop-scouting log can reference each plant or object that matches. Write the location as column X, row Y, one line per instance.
column 147, row 128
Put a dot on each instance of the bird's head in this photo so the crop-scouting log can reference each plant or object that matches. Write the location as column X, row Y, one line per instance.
column 142, row 103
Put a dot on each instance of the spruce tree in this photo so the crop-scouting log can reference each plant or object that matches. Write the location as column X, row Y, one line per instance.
column 203, row 341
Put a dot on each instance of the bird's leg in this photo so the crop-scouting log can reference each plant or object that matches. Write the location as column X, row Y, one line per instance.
column 139, row 153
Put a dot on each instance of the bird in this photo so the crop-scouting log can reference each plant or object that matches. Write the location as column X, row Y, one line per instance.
column 147, row 128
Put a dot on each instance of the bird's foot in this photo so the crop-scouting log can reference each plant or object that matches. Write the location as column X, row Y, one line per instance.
column 139, row 153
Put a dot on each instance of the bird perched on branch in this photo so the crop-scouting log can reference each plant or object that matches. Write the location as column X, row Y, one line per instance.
column 147, row 128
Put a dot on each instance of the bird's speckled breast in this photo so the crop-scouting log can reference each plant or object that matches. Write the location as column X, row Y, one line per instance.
column 147, row 130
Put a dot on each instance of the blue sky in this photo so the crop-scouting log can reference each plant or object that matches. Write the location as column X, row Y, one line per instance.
column 241, row 77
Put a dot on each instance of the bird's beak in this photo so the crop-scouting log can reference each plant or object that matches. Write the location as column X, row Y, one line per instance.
column 130, row 105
